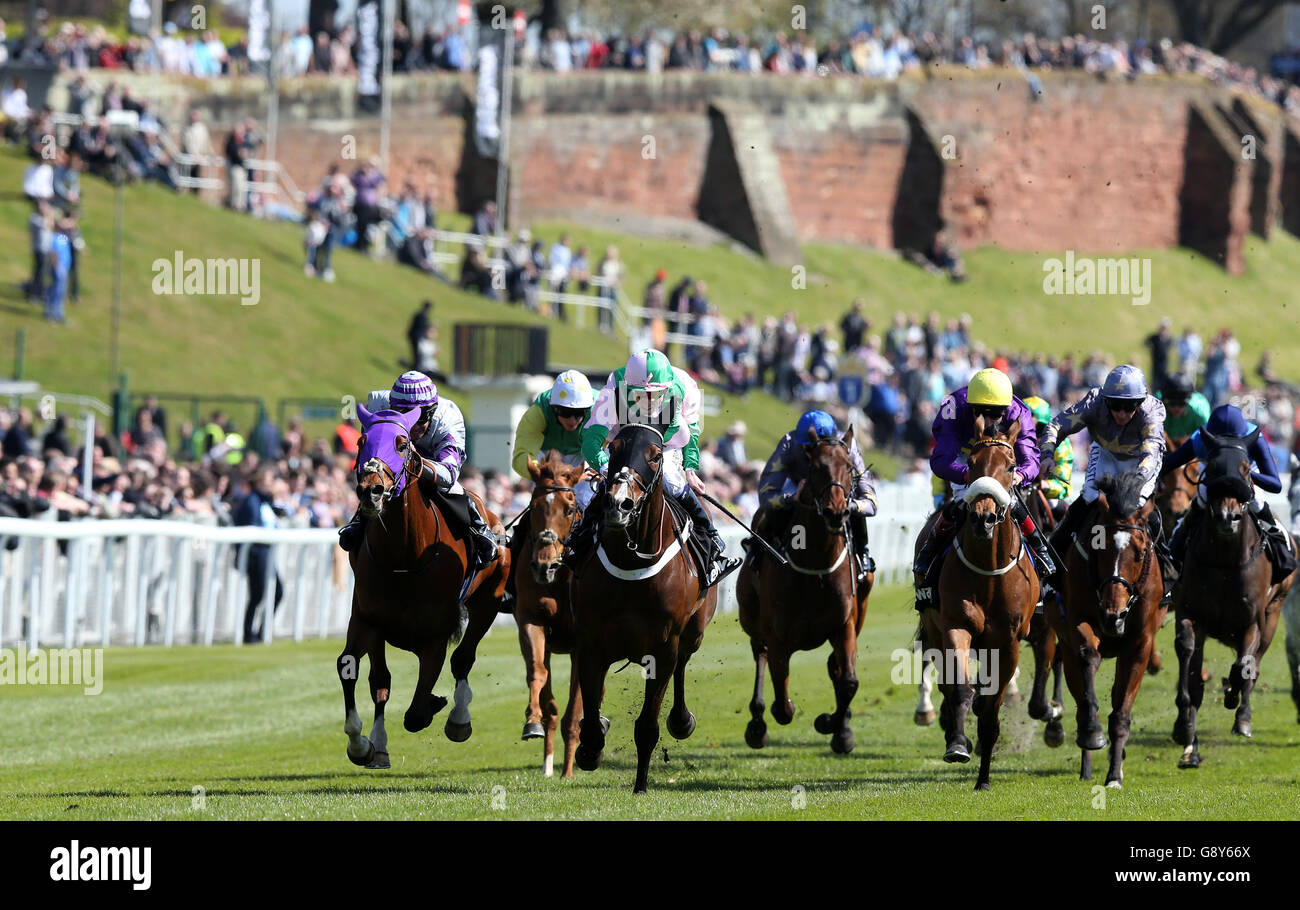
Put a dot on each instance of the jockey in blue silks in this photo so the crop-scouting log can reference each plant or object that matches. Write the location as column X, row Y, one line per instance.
column 789, row 465
column 1227, row 425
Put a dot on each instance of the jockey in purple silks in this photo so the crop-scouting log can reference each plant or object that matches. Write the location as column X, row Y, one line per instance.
column 988, row 395
column 439, row 438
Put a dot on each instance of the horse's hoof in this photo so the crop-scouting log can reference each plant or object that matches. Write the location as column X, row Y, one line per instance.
column 824, row 724
column 1092, row 740
column 1190, row 759
column 458, row 733
column 842, row 744
column 982, row 785
column 783, row 718
column 533, row 731
column 1054, row 734
column 1114, row 783
column 923, row 718
column 365, row 757
column 586, row 758
column 756, row 734
column 957, row 753
column 1243, row 728
column 684, row 730
column 379, row 762
column 604, row 725
column 1037, row 710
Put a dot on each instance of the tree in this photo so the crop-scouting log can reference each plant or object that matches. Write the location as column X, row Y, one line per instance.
column 1220, row 25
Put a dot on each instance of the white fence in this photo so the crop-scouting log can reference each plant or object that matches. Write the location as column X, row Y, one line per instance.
column 141, row 582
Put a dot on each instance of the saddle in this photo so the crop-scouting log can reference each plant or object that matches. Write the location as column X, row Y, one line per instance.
column 698, row 544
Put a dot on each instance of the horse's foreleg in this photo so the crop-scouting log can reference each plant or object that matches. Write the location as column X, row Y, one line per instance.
column 348, row 667
column 956, row 659
column 1129, row 670
column 1071, row 650
column 756, row 731
column 778, row 666
column 1090, row 735
column 994, row 691
column 572, row 711
column 550, row 719
column 841, row 667
column 591, row 740
column 532, row 644
column 1187, row 699
column 646, row 731
column 381, row 681
column 1244, row 673
column 424, row 704
column 1039, row 637
column 923, row 716
column 1291, row 616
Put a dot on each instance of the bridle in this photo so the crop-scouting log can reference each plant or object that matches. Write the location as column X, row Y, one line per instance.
column 999, row 511
column 836, row 522
column 1134, row 588
column 632, row 529
column 378, row 466
column 546, row 536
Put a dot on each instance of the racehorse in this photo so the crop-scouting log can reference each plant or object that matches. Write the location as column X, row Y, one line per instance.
column 788, row 608
column 639, row 598
column 410, row 587
column 542, row 605
column 987, row 590
column 1047, row 655
column 1226, row 592
column 1111, row 609
column 1176, row 491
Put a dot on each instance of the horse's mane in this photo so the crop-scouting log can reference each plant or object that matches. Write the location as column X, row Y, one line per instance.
column 1123, row 493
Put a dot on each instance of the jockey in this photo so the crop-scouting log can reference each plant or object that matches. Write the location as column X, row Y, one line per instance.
column 439, row 438
column 988, row 394
column 1186, row 410
column 1227, row 423
column 1127, row 429
column 650, row 387
column 552, row 423
column 1054, row 482
column 788, row 467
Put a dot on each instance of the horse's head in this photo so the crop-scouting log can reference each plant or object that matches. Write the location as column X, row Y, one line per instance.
column 1120, row 549
column 636, row 460
column 553, row 512
column 830, row 477
column 383, row 454
column 992, row 463
column 1227, row 480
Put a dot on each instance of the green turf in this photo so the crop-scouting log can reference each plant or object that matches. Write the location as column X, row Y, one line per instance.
column 260, row 729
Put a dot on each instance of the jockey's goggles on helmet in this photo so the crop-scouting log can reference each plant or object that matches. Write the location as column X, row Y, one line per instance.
column 989, row 411
column 1123, row 405
column 569, row 412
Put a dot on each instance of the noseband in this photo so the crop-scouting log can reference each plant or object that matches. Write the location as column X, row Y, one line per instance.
column 546, row 536
column 1134, row 588
column 1000, row 511
column 836, row 522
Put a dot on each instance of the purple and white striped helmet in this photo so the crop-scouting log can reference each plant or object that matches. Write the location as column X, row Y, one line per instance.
column 413, row 389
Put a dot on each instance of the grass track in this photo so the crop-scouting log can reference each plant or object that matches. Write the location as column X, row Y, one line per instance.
column 260, row 729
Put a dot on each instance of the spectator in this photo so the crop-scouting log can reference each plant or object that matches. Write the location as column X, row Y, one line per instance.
column 1159, row 345
column 611, row 274
column 367, row 181
column 418, row 330
column 731, row 448
column 236, row 168
column 854, row 325
column 257, row 510
column 485, row 220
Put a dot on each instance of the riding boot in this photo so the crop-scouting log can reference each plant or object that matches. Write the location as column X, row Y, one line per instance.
column 943, row 531
column 582, row 540
column 516, row 546
column 1043, row 561
column 1070, row 524
column 1276, row 539
column 352, row 533
column 482, row 538
column 858, row 527
column 719, row 563
column 753, row 550
column 1168, row 571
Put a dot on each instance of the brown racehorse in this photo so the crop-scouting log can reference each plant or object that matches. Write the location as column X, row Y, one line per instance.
column 1176, row 490
column 542, row 605
column 1047, row 656
column 1112, row 609
column 637, row 599
column 801, row 606
column 409, row 573
column 1225, row 592
column 987, row 591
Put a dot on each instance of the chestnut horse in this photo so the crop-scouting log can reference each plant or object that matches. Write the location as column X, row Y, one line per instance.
column 1225, row 592
column 801, row 606
column 1112, row 609
column 987, row 591
column 410, row 571
column 639, row 599
column 542, row 605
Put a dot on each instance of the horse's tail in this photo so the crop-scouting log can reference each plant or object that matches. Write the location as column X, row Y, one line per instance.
column 918, row 637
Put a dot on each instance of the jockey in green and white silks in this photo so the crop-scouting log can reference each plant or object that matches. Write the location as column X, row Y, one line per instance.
column 650, row 390
column 439, row 438
column 1127, row 426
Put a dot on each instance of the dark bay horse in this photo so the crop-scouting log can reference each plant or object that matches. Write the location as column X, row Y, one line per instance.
column 987, row 590
column 542, row 605
column 637, row 598
column 814, row 600
column 1112, row 609
column 409, row 571
column 1225, row 592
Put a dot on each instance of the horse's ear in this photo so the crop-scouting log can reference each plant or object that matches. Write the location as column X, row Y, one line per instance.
column 979, row 424
column 1210, row 439
column 534, row 469
column 366, row 415
column 1013, row 431
column 410, row 418
column 848, row 435
column 812, row 436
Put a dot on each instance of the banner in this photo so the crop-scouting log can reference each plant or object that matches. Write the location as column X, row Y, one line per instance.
column 487, row 111
column 369, row 52
column 259, row 31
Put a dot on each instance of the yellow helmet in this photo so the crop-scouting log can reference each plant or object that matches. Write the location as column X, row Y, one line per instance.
column 991, row 387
